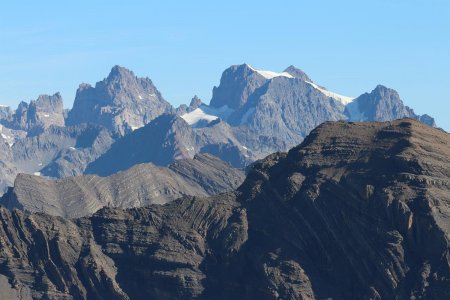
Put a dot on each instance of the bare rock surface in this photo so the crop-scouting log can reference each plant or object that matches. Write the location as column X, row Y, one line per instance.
column 55, row 152
column 39, row 114
column 357, row 211
column 167, row 139
column 121, row 102
column 142, row 185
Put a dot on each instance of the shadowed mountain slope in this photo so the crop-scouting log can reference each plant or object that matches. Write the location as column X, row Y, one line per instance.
column 357, row 211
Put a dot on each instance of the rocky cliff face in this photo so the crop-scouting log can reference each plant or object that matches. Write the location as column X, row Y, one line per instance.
column 139, row 186
column 54, row 152
column 357, row 211
column 39, row 114
column 236, row 85
column 122, row 102
column 382, row 104
column 271, row 110
column 275, row 111
column 286, row 108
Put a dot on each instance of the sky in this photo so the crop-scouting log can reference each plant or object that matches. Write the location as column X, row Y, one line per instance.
column 347, row 46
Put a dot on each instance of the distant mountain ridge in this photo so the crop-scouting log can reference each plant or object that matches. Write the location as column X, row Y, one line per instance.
column 141, row 185
column 252, row 113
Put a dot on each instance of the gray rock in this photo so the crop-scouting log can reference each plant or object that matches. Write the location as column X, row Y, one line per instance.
column 70, row 148
column 236, row 85
column 183, row 108
column 139, row 186
column 297, row 73
column 382, row 104
column 266, row 112
column 39, row 114
column 286, row 108
column 122, row 102
column 5, row 114
column 55, row 152
column 169, row 138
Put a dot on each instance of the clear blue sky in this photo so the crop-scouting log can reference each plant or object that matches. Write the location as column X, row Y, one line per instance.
column 347, row 46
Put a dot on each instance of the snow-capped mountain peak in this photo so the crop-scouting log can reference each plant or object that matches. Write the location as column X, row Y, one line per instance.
column 271, row 74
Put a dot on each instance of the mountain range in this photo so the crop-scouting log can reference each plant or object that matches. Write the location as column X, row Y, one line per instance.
column 276, row 189
column 356, row 211
column 124, row 120
column 141, row 185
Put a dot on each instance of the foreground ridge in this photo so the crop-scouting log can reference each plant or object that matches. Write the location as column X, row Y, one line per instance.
column 357, row 211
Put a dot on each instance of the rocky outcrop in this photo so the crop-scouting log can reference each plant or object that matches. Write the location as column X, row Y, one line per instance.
column 297, row 73
column 236, row 85
column 122, row 102
column 5, row 114
column 382, row 104
column 39, row 114
column 357, row 211
column 183, row 108
column 139, row 186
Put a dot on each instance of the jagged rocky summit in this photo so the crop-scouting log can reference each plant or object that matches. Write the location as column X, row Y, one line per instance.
column 252, row 113
column 121, row 102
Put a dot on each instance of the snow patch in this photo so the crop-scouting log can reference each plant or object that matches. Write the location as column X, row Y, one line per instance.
column 9, row 139
column 207, row 114
column 271, row 74
column 46, row 115
column 198, row 115
column 133, row 128
column 37, row 173
column 343, row 99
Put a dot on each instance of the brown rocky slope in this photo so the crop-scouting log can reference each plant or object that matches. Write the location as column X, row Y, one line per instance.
column 357, row 211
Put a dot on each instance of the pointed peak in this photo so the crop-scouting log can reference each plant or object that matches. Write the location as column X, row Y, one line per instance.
column 195, row 102
column 118, row 71
column 297, row 73
column 381, row 87
column 382, row 90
